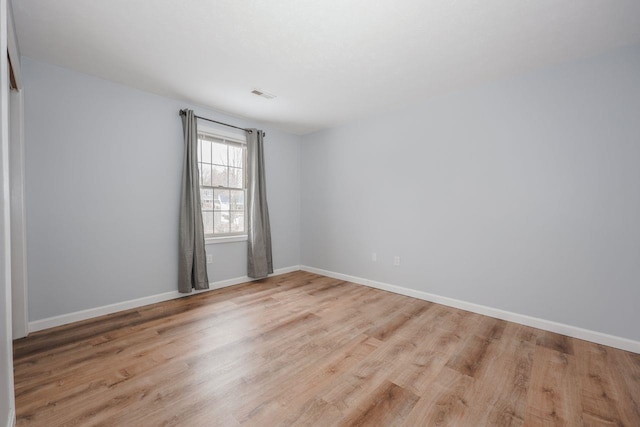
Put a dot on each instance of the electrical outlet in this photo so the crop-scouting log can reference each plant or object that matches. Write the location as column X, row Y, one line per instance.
column 396, row 261
column 209, row 259
column 374, row 257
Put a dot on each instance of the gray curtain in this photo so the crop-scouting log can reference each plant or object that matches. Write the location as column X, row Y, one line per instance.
column 259, row 261
column 192, row 264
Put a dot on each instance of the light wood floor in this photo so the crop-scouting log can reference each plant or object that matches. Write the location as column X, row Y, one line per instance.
column 303, row 349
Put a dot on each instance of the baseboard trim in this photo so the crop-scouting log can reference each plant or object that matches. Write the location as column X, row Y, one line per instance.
column 535, row 322
column 52, row 322
column 11, row 418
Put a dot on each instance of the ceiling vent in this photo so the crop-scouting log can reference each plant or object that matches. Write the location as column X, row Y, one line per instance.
column 262, row 94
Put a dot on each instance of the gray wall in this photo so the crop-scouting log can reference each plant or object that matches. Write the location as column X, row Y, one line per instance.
column 103, row 168
column 522, row 195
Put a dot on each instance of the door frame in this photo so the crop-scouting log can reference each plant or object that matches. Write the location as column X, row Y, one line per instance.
column 19, row 303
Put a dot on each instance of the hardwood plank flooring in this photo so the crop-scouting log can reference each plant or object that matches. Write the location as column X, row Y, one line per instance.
column 304, row 349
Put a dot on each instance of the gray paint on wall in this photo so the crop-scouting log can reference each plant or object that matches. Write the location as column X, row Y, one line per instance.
column 103, row 164
column 522, row 195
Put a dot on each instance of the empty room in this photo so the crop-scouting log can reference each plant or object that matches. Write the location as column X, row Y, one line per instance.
column 330, row 213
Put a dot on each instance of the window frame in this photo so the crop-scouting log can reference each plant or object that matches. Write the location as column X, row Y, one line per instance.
column 232, row 138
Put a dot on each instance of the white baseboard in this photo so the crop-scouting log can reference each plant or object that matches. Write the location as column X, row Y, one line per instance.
column 547, row 325
column 11, row 418
column 77, row 316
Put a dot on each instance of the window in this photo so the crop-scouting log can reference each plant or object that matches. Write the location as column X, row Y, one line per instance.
column 221, row 161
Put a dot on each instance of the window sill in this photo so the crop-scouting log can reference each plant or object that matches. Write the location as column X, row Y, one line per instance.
column 226, row 239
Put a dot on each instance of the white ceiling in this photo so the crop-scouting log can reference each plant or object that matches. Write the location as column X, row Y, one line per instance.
column 328, row 61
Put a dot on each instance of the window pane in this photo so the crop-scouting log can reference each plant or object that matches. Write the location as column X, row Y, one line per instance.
column 222, row 165
column 237, row 222
column 219, row 178
column 206, row 151
column 207, row 220
column 206, row 199
column 219, row 153
column 235, row 178
column 221, row 222
column 235, row 156
column 205, row 171
column 221, row 200
column 236, row 201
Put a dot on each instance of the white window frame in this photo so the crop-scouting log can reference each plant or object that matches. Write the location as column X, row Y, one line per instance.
column 238, row 137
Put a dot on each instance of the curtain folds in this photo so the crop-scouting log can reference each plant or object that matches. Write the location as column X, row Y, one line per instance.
column 259, row 259
column 192, row 263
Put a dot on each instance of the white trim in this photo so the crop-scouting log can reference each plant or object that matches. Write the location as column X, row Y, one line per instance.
column 20, row 317
column 222, row 132
column 547, row 325
column 225, row 239
column 229, row 138
column 6, row 367
column 90, row 313
column 11, row 418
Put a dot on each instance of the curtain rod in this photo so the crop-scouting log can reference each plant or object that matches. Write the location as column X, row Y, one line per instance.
column 183, row 112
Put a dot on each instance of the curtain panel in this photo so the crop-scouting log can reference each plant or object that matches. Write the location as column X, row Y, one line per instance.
column 259, row 259
column 192, row 262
